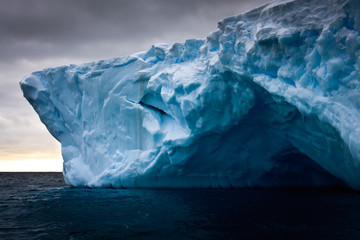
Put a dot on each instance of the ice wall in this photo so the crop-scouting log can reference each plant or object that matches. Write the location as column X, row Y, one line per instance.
column 271, row 98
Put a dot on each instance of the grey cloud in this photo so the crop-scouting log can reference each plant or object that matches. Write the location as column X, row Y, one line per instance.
column 38, row 28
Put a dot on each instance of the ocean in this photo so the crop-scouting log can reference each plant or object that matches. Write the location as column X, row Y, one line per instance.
column 41, row 206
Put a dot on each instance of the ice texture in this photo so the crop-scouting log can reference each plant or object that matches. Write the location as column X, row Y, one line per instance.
column 271, row 98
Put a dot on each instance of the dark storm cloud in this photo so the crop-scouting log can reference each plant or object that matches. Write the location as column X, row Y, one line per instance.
column 37, row 28
column 69, row 19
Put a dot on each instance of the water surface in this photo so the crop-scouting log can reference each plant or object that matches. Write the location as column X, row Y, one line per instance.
column 41, row 206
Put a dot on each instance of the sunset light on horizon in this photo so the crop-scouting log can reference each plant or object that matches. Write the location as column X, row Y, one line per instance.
column 47, row 161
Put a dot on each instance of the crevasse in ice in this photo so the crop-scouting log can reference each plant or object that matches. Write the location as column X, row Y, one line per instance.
column 271, row 98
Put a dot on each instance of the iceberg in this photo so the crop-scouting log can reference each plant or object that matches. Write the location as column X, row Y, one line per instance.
column 269, row 99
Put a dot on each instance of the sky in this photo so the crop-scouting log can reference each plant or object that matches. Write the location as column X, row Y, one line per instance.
column 36, row 34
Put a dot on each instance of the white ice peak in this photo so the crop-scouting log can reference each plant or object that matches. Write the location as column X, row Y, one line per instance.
column 272, row 98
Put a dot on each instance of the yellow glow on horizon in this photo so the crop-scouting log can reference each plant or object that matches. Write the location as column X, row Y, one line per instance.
column 11, row 156
column 48, row 160
column 31, row 165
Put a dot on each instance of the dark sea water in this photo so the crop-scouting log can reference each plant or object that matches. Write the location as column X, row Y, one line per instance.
column 41, row 206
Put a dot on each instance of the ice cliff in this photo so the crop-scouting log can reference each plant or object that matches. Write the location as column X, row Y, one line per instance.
column 271, row 98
